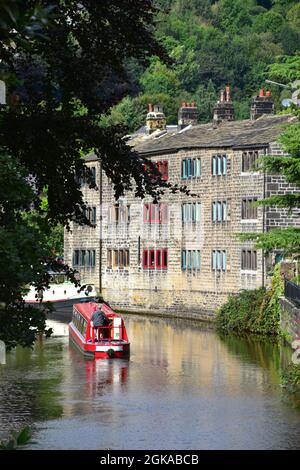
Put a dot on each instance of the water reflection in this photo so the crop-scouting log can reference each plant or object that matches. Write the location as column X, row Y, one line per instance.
column 184, row 387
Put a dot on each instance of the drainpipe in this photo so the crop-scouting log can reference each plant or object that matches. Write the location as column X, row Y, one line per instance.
column 264, row 222
column 100, row 228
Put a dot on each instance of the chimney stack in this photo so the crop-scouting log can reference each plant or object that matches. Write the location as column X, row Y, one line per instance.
column 155, row 120
column 187, row 115
column 261, row 104
column 223, row 111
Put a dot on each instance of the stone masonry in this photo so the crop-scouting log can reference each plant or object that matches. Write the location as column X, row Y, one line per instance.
column 176, row 290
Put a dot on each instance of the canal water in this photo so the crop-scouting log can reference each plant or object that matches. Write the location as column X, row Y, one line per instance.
column 184, row 387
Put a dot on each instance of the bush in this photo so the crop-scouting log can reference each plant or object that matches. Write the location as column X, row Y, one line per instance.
column 253, row 311
column 290, row 377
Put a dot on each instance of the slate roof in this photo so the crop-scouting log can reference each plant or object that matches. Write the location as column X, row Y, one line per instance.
column 236, row 134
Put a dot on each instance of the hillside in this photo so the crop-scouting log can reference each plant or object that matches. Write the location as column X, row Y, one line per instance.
column 212, row 43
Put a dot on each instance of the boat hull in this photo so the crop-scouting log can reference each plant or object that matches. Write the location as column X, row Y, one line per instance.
column 58, row 305
column 102, row 350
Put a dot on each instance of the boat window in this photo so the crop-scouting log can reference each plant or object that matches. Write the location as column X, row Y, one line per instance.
column 79, row 322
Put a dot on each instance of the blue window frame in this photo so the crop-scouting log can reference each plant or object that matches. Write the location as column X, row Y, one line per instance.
column 191, row 212
column 183, row 259
column 219, row 260
column 184, row 169
column 219, row 165
column 219, row 211
column 190, row 259
column 191, row 168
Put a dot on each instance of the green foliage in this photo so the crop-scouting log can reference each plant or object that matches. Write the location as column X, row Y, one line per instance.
column 290, row 377
column 65, row 65
column 232, row 15
column 285, row 69
column 268, row 21
column 220, row 42
column 253, row 311
column 17, row 438
column 158, row 78
column 287, row 240
column 293, row 15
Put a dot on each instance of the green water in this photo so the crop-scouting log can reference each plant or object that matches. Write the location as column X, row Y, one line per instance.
column 184, row 387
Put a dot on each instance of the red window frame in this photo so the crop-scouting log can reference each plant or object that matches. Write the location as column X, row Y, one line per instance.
column 164, row 171
column 147, row 212
column 151, row 259
column 164, row 258
column 158, row 259
column 155, row 213
column 162, row 167
column 145, row 259
column 155, row 259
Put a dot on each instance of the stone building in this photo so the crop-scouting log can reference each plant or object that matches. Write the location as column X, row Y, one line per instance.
column 183, row 255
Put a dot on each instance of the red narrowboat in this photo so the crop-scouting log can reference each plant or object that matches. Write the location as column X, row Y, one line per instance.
column 103, row 342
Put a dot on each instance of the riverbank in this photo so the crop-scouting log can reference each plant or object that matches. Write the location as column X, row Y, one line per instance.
column 223, row 391
column 205, row 317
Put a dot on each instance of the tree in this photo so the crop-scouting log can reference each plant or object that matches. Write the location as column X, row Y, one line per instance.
column 63, row 71
column 288, row 240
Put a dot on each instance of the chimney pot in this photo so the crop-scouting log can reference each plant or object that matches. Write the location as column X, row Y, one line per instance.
column 260, row 107
column 187, row 115
column 223, row 110
column 227, row 93
column 155, row 121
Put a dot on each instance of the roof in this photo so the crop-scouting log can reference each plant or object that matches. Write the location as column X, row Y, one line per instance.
column 87, row 309
column 236, row 134
column 246, row 133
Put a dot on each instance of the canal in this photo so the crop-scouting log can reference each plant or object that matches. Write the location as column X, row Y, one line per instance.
column 184, row 387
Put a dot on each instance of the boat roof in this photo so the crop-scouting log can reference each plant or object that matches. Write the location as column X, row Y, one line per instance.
column 87, row 309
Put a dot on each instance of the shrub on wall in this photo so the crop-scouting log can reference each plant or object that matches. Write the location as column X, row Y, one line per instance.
column 254, row 311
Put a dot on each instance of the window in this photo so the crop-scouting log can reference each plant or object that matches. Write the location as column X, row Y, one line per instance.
column 119, row 213
column 155, row 259
column 161, row 166
column 219, row 165
column 156, row 213
column 90, row 214
column 117, row 258
column 190, row 260
column 249, row 209
column 249, row 160
column 219, row 260
column 249, row 260
column 191, row 212
column 93, row 174
column 109, row 258
column 84, row 258
column 76, row 257
column 219, row 211
column 191, row 168
column 79, row 322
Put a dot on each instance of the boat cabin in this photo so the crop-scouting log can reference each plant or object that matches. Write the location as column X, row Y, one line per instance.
column 103, row 341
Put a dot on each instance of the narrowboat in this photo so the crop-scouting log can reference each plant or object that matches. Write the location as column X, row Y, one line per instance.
column 61, row 293
column 105, row 342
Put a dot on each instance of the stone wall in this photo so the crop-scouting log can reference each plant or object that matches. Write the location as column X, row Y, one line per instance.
column 280, row 217
column 174, row 290
column 289, row 319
